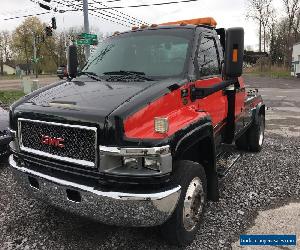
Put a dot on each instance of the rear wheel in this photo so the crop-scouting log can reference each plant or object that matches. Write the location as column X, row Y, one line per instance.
column 184, row 223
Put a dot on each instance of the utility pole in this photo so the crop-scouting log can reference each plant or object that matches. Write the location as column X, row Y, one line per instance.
column 86, row 26
column 34, row 56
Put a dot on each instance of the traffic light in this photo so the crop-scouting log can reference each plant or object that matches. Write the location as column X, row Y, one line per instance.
column 53, row 21
column 48, row 31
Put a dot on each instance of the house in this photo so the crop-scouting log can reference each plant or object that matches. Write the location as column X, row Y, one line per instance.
column 8, row 70
column 295, row 71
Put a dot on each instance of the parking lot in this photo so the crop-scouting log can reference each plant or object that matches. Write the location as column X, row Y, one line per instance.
column 257, row 182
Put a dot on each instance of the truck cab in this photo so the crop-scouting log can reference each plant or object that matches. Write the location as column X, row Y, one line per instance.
column 133, row 139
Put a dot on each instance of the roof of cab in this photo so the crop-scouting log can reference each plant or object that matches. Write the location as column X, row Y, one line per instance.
column 209, row 21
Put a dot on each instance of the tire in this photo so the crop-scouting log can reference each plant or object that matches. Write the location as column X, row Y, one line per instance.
column 61, row 77
column 242, row 142
column 4, row 152
column 191, row 177
column 256, row 134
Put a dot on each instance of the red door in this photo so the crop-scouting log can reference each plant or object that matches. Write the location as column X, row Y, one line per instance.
column 215, row 104
column 209, row 73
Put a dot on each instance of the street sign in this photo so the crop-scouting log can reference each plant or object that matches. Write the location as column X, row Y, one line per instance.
column 88, row 36
column 86, row 42
column 83, row 42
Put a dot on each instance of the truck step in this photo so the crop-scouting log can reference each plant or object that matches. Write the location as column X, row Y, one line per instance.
column 226, row 160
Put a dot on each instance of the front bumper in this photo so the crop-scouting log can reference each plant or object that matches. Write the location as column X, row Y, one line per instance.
column 114, row 208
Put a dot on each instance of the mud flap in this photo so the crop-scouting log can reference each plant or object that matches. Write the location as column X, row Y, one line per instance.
column 230, row 120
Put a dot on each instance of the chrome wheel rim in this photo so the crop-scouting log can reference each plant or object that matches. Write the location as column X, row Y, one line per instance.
column 261, row 133
column 193, row 204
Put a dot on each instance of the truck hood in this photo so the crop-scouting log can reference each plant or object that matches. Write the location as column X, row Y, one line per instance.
column 85, row 101
column 102, row 97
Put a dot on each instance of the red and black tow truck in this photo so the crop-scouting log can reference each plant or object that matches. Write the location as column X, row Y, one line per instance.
column 133, row 138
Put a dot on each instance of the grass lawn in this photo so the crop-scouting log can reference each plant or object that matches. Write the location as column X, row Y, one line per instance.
column 274, row 72
column 7, row 97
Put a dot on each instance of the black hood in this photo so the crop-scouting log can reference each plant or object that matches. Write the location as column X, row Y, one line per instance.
column 86, row 101
column 101, row 97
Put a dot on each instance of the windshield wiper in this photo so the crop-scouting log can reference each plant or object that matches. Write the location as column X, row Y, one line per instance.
column 91, row 75
column 135, row 74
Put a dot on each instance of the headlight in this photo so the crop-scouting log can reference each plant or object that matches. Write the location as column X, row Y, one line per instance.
column 152, row 163
column 141, row 162
column 132, row 162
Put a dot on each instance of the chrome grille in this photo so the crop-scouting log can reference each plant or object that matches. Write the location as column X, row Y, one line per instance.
column 79, row 141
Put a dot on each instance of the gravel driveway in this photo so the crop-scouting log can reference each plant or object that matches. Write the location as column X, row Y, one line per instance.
column 256, row 182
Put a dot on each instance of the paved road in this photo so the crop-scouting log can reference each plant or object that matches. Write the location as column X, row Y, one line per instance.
column 257, row 182
column 16, row 84
column 282, row 98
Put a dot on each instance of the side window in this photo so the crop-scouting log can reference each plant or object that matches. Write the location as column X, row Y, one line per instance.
column 208, row 61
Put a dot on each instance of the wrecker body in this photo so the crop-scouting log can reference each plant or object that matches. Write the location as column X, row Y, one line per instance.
column 133, row 139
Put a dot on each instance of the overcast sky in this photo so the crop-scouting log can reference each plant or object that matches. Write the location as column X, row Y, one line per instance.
column 228, row 13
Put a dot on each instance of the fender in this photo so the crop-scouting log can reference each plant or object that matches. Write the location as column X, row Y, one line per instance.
column 192, row 137
column 199, row 144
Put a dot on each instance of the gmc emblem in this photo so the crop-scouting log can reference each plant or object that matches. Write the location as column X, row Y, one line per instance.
column 53, row 141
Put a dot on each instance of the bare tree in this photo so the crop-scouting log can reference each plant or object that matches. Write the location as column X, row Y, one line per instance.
column 5, row 52
column 292, row 9
column 258, row 10
column 268, row 17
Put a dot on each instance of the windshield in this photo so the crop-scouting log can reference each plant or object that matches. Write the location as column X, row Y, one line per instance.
column 155, row 53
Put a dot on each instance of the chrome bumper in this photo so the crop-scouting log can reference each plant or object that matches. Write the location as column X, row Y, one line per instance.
column 114, row 208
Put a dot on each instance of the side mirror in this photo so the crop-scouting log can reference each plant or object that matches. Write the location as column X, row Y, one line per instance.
column 234, row 52
column 72, row 61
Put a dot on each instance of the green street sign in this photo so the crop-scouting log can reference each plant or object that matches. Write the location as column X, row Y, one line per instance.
column 83, row 42
column 88, row 36
column 87, row 42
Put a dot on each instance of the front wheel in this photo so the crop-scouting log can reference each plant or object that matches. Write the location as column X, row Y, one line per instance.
column 184, row 223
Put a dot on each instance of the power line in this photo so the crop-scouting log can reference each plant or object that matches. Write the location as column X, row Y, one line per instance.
column 106, row 14
column 115, row 16
column 125, row 25
column 122, row 13
column 16, row 17
column 103, row 16
column 146, row 5
column 111, row 1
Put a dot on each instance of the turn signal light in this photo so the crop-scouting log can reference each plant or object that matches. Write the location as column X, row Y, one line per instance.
column 234, row 55
column 161, row 125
